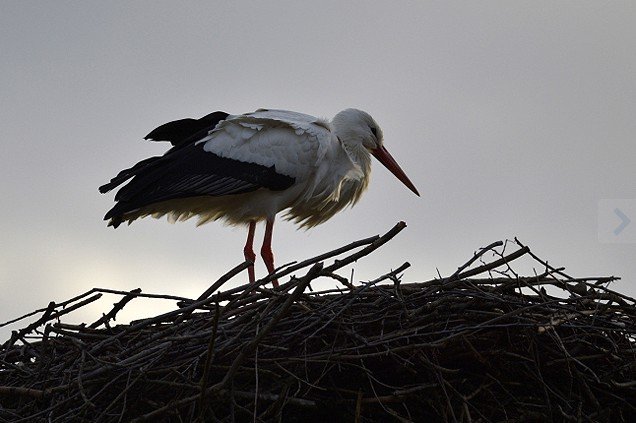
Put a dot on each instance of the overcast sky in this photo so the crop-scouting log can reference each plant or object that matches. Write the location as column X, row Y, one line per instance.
column 511, row 118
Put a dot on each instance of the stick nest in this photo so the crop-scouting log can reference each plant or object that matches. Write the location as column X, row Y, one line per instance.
column 483, row 344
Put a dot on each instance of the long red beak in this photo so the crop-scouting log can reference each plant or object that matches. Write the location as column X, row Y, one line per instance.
column 389, row 162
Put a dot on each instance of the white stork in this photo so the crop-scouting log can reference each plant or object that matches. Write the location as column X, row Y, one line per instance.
column 247, row 168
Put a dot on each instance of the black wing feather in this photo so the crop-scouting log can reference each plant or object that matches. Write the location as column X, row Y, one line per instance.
column 180, row 133
column 185, row 130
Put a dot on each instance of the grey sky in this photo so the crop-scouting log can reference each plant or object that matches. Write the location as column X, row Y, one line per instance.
column 512, row 119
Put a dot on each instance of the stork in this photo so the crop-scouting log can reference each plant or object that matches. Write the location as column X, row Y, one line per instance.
column 247, row 168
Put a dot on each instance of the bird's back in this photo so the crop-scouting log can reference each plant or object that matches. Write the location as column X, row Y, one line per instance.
column 298, row 145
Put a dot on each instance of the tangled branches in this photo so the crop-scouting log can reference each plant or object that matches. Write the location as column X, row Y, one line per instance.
column 459, row 348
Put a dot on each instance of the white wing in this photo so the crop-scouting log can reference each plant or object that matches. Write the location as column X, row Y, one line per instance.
column 295, row 144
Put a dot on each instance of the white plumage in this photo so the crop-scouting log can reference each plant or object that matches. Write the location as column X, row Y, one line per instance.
column 248, row 168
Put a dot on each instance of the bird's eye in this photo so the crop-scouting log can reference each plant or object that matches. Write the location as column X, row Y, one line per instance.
column 374, row 131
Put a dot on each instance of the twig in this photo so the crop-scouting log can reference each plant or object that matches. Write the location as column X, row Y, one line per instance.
column 229, row 275
column 481, row 269
column 116, row 308
column 476, row 256
column 367, row 250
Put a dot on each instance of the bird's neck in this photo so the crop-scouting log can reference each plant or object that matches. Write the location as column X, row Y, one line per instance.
column 360, row 157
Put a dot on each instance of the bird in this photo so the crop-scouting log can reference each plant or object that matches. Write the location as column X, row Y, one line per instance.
column 247, row 168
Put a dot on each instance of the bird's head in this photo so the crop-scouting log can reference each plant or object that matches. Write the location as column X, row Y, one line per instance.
column 358, row 131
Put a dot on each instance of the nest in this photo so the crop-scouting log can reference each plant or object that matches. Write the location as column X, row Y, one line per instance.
column 483, row 344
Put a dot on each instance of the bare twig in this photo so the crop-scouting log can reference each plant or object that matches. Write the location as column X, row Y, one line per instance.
column 116, row 308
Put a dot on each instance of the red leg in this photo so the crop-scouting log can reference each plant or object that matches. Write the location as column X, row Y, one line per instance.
column 266, row 249
column 248, row 250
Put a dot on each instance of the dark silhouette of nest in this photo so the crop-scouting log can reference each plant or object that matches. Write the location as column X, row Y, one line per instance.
column 483, row 344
